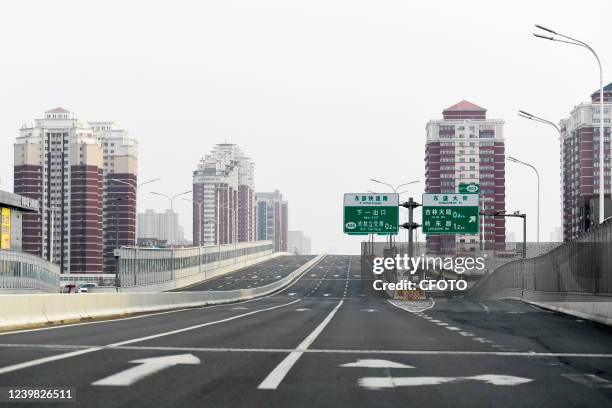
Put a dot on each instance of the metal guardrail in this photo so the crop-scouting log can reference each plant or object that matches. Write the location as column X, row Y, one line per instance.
column 581, row 266
column 149, row 266
column 22, row 271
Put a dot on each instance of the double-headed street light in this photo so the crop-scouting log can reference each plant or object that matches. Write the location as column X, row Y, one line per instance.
column 394, row 188
column 515, row 160
column 171, row 199
column 516, row 214
column 569, row 40
column 395, row 191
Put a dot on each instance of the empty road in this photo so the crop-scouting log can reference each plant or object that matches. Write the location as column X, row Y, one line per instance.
column 325, row 341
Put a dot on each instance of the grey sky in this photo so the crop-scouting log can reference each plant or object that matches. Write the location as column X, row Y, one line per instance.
column 323, row 95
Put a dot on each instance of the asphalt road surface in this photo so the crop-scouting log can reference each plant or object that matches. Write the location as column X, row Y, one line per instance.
column 325, row 341
column 260, row 274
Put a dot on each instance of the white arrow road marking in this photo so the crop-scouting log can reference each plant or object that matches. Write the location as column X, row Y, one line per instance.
column 590, row 380
column 145, row 368
column 374, row 363
column 376, row 383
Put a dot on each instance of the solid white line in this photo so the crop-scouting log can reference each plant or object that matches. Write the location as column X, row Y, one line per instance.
column 44, row 360
column 312, row 351
column 197, row 326
column 277, row 375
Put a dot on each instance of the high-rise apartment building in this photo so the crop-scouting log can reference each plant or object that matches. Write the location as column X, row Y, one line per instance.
column 63, row 163
column 272, row 219
column 162, row 226
column 223, row 195
column 580, row 164
column 119, row 165
column 466, row 147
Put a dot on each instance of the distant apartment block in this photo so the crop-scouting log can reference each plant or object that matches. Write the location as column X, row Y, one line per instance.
column 298, row 243
column 160, row 227
column 272, row 219
column 466, row 147
column 580, row 164
column 70, row 167
column 224, row 197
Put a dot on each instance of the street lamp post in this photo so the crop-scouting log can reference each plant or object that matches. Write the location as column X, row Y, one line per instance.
column 171, row 200
column 573, row 41
column 535, row 118
column 137, row 187
column 199, row 204
column 516, row 214
column 515, row 160
column 395, row 188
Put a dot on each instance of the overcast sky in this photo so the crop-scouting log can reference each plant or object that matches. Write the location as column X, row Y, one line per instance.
column 322, row 94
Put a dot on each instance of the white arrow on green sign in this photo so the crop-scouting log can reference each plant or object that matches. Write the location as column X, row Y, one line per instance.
column 450, row 213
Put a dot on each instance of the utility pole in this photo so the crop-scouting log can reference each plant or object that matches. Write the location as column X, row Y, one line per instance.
column 410, row 225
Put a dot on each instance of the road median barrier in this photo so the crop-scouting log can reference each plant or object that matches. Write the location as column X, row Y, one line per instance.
column 23, row 311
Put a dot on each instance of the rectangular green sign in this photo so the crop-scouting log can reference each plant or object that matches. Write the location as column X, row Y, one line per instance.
column 447, row 213
column 371, row 213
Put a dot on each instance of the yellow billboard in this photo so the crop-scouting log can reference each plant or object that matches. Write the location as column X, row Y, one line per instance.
column 5, row 228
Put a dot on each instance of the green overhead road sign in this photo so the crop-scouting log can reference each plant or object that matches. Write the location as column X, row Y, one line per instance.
column 469, row 188
column 448, row 213
column 371, row 213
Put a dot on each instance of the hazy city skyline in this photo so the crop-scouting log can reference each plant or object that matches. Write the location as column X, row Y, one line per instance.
column 323, row 97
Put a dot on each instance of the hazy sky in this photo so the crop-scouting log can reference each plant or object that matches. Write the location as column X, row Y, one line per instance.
column 323, row 95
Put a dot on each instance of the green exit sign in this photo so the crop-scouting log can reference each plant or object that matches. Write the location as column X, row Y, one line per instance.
column 371, row 213
column 447, row 213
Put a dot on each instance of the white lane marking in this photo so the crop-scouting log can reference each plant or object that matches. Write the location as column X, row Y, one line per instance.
column 276, row 376
column 508, row 353
column 484, row 307
column 590, row 380
column 327, row 294
column 145, row 368
column 453, row 328
column 369, row 310
column 373, row 363
column 44, row 360
column 515, row 312
column 482, row 340
column 239, row 308
column 442, row 324
column 335, row 276
column 466, row 334
column 376, row 383
column 292, row 294
column 303, row 309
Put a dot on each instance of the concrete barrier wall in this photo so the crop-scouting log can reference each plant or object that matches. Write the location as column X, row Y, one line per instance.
column 23, row 311
column 193, row 276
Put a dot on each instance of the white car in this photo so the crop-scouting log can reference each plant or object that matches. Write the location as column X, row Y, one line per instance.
column 84, row 287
